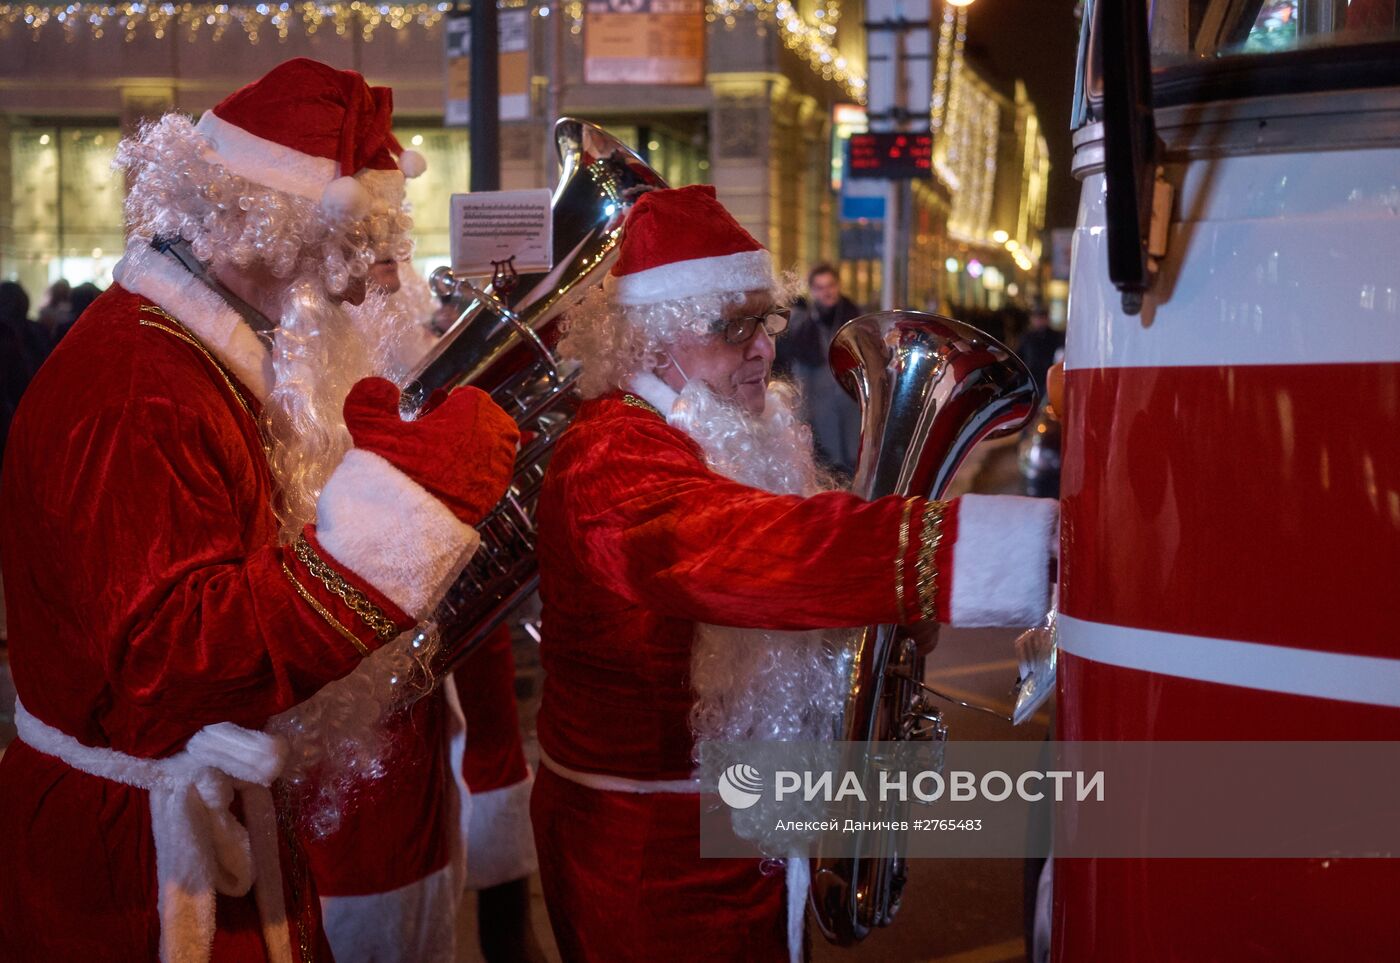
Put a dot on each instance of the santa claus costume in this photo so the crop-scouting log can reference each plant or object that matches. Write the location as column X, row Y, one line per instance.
column 450, row 804
column 196, row 545
column 501, row 845
column 687, row 552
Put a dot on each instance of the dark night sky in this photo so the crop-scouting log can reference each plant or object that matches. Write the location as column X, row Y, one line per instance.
column 1036, row 41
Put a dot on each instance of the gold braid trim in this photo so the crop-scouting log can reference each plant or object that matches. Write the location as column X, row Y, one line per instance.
column 323, row 612
column 298, row 879
column 636, row 402
column 184, row 335
column 384, row 628
column 899, row 559
column 927, row 563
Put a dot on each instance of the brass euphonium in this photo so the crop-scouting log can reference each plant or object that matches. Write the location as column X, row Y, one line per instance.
column 930, row 388
column 503, row 344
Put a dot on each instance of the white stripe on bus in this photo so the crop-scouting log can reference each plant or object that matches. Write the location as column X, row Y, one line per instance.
column 1368, row 680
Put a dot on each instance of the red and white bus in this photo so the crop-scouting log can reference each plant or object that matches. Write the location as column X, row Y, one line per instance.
column 1231, row 480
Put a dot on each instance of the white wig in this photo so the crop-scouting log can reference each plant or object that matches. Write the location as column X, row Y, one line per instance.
column 179, row 189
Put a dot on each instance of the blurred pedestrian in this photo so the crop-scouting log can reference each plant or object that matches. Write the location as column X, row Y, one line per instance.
column 82, row 296
column 14, row 314
column 57, row 309
column 1039, row 348
column 21, row 351
column 801, row 355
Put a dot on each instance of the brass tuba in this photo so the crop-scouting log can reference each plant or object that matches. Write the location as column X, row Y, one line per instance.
column 503, row 344
column 930, row 388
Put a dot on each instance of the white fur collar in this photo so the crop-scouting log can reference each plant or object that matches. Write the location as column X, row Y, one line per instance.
column 654, row 392
column 145, row 271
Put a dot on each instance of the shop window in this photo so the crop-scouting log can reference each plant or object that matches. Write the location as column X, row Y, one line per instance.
column 449, row 172
column 66, row 206
column 679, row 157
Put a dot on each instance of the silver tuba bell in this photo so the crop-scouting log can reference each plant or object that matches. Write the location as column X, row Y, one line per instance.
column 503, row 344
column 930, row 388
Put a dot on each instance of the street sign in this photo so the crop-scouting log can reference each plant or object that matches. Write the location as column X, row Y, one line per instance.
column 899, row 59
column 862, row 200
column 890, row 155
column 644, row 42
column 899, row 53
column 513, row 29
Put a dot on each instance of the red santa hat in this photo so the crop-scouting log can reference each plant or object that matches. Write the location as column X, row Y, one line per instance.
column 314, row 131
column 682, row 243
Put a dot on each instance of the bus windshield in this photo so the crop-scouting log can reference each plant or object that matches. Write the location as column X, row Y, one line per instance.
column 1190, row 31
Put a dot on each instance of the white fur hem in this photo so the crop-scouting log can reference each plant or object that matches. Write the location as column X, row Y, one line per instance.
column 500, row 841
column 387, row 529
column 412, row 924
column 1001, row 560
column 283, row 169
column 145, row 271
column 799, row 887
column 725, row 274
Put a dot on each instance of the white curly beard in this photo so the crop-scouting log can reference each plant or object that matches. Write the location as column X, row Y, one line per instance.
column 338, row 737
column 756, row 684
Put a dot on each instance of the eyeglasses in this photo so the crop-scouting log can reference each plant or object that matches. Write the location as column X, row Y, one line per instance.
column 739, row 330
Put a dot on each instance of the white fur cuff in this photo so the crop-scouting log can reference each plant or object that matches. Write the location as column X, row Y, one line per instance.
column 385, row 527
column 500, row 840
column 1001, row 560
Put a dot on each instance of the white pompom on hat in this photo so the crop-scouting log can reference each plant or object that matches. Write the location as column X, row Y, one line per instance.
column 412, row 163
column 308, row 129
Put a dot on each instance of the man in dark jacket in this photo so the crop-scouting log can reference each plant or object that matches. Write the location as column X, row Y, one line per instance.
column 833, row 415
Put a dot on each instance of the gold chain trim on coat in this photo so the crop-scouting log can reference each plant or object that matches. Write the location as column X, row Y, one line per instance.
column 186, row 336
column 297, row 877
column 384, row 628
column 927, row 563
column 899, row 559
column 324, row 612
column 636, row 402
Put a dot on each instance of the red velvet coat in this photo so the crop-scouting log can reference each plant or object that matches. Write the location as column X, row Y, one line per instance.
column 639, row 540
column 147, row 597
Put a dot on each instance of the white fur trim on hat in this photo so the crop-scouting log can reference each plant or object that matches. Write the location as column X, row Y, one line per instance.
column 1001, row 560
column 267, row 162
column 283, row 169
column 724, row 274
column 387, row 529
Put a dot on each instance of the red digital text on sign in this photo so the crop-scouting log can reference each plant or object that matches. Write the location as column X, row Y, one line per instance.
column 891, row 155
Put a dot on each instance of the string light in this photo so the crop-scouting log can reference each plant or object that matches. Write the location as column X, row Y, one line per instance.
column 811, row 37
column 942, row 70
column 190, row 19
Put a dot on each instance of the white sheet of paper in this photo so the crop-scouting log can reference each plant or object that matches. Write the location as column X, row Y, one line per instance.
column 496, row 225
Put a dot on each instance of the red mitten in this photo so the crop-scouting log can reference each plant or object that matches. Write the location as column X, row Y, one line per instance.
column 462, row 450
